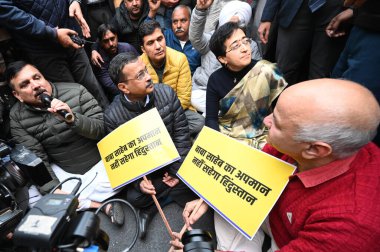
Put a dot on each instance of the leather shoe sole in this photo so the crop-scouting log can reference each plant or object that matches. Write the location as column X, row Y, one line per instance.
column 144, row 220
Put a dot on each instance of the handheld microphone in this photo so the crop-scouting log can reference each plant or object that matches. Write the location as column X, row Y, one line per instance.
column 46, row 100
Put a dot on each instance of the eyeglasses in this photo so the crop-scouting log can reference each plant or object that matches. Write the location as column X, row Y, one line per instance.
column 237, row 44
column 140, row 75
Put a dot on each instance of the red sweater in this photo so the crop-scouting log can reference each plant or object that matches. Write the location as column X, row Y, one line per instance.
column 335, row 207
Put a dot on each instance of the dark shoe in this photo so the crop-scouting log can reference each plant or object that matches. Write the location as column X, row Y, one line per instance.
column 144, row 219
column 115, row 213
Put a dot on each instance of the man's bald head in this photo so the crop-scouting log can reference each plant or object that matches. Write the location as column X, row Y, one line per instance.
column 339, row 112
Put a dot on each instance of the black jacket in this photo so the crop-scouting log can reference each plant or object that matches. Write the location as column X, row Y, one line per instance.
column 126, row 31
column 166, row 101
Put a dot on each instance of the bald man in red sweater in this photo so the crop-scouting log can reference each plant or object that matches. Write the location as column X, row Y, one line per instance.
column 331, row 203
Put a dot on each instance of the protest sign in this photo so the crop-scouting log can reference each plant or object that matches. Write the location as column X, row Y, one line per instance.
column 137, row 148
column 239, row 182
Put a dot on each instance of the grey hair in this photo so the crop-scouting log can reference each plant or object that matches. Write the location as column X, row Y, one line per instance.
column 343, row 139
column 117, row 64
column 183, row 6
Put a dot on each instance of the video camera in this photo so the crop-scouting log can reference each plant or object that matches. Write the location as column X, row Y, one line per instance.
column 16, row 164
column 53, row 221
column 53, row 224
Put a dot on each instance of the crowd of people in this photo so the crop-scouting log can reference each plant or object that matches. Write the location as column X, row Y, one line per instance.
column 300, row 85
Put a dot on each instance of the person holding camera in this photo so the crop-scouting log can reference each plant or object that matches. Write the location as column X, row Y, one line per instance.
column 63, row 133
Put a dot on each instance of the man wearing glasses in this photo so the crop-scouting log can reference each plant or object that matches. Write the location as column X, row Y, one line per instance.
column 140, row 95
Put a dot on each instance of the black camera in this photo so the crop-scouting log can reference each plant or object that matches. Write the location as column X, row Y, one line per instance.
column 197, row 240
column 12, row 180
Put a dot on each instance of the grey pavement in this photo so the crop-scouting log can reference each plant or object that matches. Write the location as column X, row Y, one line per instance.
column 157, row 238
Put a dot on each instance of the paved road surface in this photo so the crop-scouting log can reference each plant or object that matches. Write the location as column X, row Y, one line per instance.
column 157, row 238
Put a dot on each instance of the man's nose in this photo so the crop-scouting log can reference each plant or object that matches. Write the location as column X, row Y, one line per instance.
column 157, row 44
column 35, row 85
column 147, row 77
column 134, row 2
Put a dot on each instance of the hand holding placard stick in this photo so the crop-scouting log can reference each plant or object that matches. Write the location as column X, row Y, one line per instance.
column 161, row 213
column 185, row 227
column 197, row 206
column 135, row 149
column 244, row 181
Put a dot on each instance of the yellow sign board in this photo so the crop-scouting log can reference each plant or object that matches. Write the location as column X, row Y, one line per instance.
column 239, row 182
column 137, row 148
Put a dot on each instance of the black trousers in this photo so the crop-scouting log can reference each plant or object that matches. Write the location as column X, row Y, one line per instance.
column 303, row 50
column 69, row 65
column 98, row 14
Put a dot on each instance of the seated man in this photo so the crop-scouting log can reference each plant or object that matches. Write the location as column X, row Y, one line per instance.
column 138, row 96
column 177, row 37
column 67, row 146
column 109, row 48
column 331, row 202
column 170, row 67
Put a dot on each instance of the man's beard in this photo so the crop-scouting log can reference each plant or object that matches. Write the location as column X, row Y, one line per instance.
column 135, row 15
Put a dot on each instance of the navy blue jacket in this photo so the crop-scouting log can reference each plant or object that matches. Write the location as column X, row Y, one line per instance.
column 32, row 22
column 191, row 53
column 286, row 11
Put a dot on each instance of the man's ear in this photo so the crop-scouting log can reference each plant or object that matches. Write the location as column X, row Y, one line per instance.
column 142, row 49
column 222, row 59
column 317, row 150
column 123, row 88
column 17, row 96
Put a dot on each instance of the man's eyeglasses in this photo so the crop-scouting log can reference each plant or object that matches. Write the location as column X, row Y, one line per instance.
column 237, row 44
column 140, row 75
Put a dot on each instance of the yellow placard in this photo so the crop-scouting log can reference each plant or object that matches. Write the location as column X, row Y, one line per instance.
column 239, row 182
column 136, row 148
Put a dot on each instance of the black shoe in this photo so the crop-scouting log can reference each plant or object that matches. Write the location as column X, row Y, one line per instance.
column 115, row 213
column 144, row 219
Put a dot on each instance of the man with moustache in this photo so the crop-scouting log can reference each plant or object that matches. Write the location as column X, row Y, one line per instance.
column 169, row 67
column 138, row 95
column 67, row 146
column 109, row 48
column 178, row 36
column 127, row 20
column 331, row 202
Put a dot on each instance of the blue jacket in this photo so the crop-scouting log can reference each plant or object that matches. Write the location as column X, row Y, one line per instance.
column 191, row 53
column 32, row 22
column 286, row 11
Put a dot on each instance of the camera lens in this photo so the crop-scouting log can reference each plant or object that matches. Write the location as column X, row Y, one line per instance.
column 197, row 240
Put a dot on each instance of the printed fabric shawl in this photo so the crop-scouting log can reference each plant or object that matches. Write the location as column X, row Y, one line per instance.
column 243, row 109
